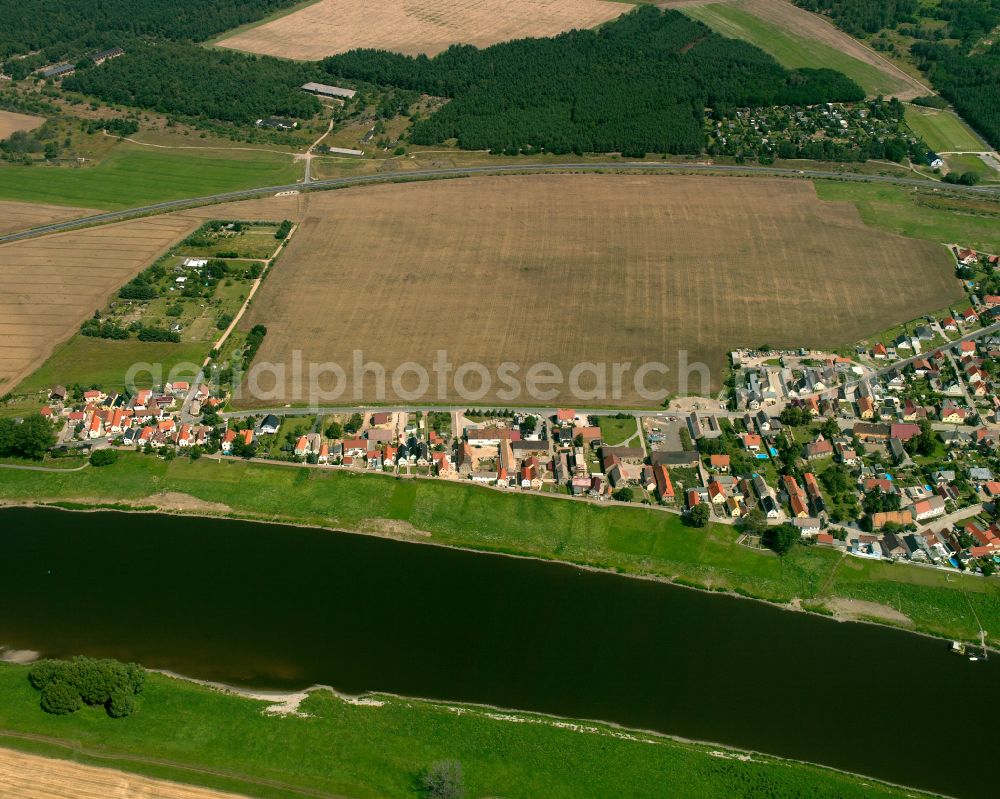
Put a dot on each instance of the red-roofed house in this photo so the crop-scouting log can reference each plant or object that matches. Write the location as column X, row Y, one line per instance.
column 664, row 488
column 719, row 462
column 904, row 432
column 565, row 416
column 716, row 493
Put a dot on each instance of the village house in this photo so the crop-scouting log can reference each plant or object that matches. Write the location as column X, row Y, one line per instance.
column 664, row 486
column 928, row 509
column 820, row 448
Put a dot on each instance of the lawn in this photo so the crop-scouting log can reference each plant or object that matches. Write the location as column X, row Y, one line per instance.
column 628, row 540
column 789, row 49
column 89, row 361
column 134, row 175
column 973, row 222
column 943, row 131
column 380, row 749
column 616, row 431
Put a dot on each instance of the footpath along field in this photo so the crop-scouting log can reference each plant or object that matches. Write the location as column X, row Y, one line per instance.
column 633, row 541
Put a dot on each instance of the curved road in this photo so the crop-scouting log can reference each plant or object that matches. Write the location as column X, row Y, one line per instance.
column 334, row 183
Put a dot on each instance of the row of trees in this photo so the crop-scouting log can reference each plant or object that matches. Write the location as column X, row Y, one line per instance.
column 589, row 91
column 67, row 685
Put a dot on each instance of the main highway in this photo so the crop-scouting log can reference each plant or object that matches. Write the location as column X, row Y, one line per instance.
column 455, row 172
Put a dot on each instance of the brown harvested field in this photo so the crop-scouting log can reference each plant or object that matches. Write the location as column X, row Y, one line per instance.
column 799, row 22
column 16, row 216
column 53, row 283
column 11, row 122
column 416, row 26
column 32, row 777
column 577, row 268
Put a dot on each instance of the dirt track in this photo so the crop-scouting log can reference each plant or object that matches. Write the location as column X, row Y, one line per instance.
column 24, row 776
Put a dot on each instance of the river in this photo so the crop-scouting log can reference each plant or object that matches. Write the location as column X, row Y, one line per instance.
column 283, row 607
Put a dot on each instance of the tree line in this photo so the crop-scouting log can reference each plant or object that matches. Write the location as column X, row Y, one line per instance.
column 639, row 84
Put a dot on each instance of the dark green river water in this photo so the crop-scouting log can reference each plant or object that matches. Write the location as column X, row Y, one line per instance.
column 283, row 607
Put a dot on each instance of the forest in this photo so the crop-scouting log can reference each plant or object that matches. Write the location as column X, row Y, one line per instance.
column 640, row 84
column 948, row 34
column 183, row 78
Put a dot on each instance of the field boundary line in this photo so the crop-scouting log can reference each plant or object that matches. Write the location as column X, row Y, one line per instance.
column 80, row 750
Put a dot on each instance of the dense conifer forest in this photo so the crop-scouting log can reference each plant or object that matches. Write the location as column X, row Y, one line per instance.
column 181, row 78
column 639, row 84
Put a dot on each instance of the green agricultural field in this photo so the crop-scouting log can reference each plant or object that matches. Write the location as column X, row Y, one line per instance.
column 627, row 540
column 134, row 175
column 921, row 214
column 790, row 49
column 104, row 362
column 942, row 130
column 192, row 734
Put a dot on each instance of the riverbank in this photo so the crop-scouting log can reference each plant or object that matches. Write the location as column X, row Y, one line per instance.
column 195, row 734
column 633, row 541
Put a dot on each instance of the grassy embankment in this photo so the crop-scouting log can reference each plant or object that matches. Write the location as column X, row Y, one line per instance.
column 133, row 175
column 633, row 541
column 791, row 49
column 182, row 731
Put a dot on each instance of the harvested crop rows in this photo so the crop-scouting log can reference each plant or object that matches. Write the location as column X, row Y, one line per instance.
column 22, row 216
column 416, row 26
column 51, row 284
column 576, row 268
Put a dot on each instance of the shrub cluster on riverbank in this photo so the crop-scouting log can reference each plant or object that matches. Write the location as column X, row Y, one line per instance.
column 68, row 685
